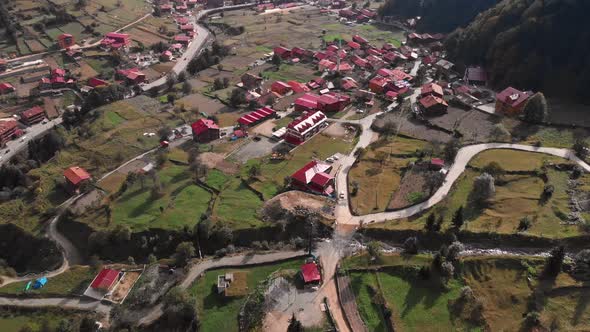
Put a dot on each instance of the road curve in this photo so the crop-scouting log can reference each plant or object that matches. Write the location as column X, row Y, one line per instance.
column 196, row 46
column 229, row 261
column 463, row 157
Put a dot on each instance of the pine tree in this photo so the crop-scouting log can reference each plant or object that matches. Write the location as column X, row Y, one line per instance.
column 458, row 218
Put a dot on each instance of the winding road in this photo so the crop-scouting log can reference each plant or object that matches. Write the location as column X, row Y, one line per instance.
column 229, row 261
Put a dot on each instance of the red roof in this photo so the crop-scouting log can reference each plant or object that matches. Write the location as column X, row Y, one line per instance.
column 359, row 39
column 187, row 27
column 298, row 87
column 307, row 122
column 76, row 174
column 429, row 101
column 513, row 97
column 256, row 116
column 437, row 162
column 94, row 82
column 354, row 45
column 308, row 100
column 182, row 38
column 307, row 173
column 31, row 112
column 279, row 86
column 6, row 126
column 64, row 36
column 6, row 86
column 202, row 125
column 105, row 279
column 310, row 272
column 432, row 88
column 280, row 50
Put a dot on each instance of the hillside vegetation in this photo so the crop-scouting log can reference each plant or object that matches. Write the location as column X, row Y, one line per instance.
column 530, row 44
column 437, row 15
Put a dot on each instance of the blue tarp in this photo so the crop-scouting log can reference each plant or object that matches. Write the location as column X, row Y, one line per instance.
column 40, row 283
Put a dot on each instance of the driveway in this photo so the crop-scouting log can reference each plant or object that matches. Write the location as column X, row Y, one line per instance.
column 254, row 149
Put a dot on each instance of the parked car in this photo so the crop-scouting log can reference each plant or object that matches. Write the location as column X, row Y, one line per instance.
column 341, row 195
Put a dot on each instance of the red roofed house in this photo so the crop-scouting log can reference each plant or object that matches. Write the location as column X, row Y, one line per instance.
column 511, row 101
column 166, row 8
column 205, row 130
column 431, row 89
column 166, row 55
column 280, row 87
column 298, row 87
column 283, row 52
column 326, row 64
column 400, row 75
column 437, row 163
column 390, row 57
column 187, row 28
column 359, row 39
column 333, row 102
column 131, row 76
column 256, row 117
column 6, row 88
column 343, row 67
column 310, row 273
column 307, row 102
column 65, row 40
column 349, row 83
column 304, row 127
column 32, row 115
column 75, row 176
column 251, row 81
column 104, row 282
column 182, row 39
column 8, row 130
column 94, row 82
column 432, row 105
column 346, row 13
column 182, row 8
column 115, row 41
column 314, row 177
column 378, row 84
column 354, row 45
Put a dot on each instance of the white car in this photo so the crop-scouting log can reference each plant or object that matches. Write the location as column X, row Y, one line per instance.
column 341, row 194
column 335, row 157
column 330, row 160
column 22, row 139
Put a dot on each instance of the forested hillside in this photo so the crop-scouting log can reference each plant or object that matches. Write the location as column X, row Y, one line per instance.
column 530, row 44
column 437, row 15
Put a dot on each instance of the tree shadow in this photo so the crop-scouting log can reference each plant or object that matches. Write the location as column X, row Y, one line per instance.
column 581, row 305
column 420, row 291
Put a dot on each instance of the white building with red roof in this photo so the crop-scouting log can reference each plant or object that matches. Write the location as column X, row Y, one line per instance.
column 314, row 177
column 305, row 126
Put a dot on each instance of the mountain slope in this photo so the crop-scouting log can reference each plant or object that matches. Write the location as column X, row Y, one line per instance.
column 437, row 15
column 530, row 44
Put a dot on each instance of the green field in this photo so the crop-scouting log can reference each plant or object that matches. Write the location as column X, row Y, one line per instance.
column 513, row 160
column 72, row 282
column 289, row 72
column 220, row 314
column 97, row 154
column 274, row 172
column 182, row 203
column 377, row 180
column 14, row 320
column 237, row 206
column 216, row 179
column 517, row 196
column 418, row 305
column 504, row 285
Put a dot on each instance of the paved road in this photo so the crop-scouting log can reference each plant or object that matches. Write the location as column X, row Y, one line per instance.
column 230, row 261
column 196, row 46
column 34, row 131
column 463, row 157
column 62, row 302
